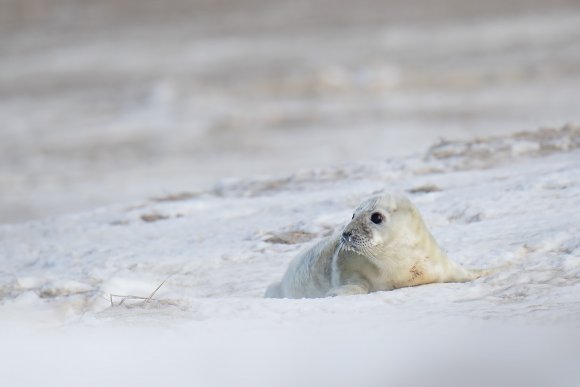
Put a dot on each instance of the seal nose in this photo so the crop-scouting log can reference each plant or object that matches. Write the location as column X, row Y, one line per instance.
column 347, row 235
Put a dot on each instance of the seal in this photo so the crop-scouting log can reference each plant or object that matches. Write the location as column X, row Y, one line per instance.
column 385, row 246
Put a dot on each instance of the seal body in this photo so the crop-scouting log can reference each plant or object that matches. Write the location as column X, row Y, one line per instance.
column 385, row 246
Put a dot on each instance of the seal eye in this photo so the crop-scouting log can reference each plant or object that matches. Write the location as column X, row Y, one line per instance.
column 352, row 216
column 377, row 218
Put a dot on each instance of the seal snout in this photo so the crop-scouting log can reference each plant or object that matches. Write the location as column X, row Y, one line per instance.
column 351, row 239
column 347, row 236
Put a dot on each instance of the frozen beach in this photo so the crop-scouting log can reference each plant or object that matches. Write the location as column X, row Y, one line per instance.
column 104, row 102
column 507, row 202
column 162, row 162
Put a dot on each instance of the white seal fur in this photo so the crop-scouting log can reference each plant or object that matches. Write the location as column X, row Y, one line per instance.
column 385, row 246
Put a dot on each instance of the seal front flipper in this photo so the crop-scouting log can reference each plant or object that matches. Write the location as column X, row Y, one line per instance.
column 274, row 291
column 348, row 290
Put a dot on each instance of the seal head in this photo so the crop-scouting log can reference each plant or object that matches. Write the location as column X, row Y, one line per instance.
column 375, row 223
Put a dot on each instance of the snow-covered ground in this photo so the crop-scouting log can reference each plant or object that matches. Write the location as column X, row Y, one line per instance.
column 111, row 101
column 510, row 202
column 142, row 105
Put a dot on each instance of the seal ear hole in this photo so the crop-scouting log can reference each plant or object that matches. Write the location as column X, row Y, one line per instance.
column 352, row 216
column 377, row 218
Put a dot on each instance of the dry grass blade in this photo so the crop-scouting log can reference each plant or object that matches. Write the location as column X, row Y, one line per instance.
column 131, row 297
column 156, row 289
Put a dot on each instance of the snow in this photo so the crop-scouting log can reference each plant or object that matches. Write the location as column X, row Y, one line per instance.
column 105, row 103
column 509, row 202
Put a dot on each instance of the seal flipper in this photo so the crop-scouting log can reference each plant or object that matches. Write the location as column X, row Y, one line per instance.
column 274, row 291
column 461, row 274
column 348, row 290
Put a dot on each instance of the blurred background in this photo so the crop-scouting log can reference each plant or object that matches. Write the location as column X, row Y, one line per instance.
column 109, row 101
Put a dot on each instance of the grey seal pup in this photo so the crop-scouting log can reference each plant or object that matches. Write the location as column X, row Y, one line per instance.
column 385, row 246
